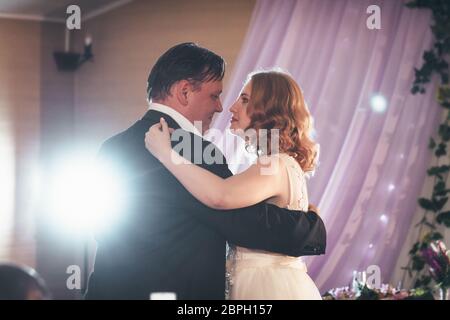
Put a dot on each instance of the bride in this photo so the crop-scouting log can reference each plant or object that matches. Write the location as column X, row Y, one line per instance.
column 269, row 100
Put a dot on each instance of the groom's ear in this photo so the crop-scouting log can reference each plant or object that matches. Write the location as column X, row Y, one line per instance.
column 182, row 89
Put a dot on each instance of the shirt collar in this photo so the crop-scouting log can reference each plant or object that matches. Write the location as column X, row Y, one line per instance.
column 184, row 123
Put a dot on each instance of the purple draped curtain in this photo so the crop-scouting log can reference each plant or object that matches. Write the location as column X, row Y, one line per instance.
column 372, row 164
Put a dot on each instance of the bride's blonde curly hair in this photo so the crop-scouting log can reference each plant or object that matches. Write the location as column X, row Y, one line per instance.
column 277, row 102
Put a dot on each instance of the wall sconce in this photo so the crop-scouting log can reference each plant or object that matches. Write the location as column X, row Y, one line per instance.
column 71, row 61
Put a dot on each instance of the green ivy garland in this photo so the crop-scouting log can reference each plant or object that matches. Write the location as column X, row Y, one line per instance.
column 435, row 62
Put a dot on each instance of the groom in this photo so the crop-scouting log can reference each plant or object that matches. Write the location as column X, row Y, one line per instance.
column 170, row 242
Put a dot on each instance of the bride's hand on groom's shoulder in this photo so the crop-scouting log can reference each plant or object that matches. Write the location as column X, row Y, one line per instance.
column 313, row 208
column 157, row 139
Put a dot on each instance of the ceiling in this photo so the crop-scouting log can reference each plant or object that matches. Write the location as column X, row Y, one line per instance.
column 55, row 10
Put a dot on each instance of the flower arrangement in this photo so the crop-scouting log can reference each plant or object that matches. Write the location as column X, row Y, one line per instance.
column 385, row 292
column 437, row 257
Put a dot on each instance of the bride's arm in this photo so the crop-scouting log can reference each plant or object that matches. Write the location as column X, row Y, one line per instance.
column 238, row 191
column 260, row 182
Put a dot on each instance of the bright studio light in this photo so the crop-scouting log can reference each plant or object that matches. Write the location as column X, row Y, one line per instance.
column 378, row 103
column 85, row 196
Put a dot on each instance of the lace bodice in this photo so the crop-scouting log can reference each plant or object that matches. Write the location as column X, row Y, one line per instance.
column 298, row 193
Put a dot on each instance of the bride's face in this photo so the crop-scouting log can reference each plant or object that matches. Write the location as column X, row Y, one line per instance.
column 241, row 119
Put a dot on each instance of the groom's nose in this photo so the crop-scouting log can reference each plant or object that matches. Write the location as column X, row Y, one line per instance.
column 219, row 107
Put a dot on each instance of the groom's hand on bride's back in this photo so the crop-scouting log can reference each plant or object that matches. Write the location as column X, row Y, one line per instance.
column 313, row 208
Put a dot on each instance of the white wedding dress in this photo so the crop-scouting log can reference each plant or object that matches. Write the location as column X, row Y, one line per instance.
column 261, row 275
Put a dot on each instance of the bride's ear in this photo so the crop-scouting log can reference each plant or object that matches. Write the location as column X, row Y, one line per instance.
column 182, row 92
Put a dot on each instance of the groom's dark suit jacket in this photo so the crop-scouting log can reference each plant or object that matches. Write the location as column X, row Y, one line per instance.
column 168, row 241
